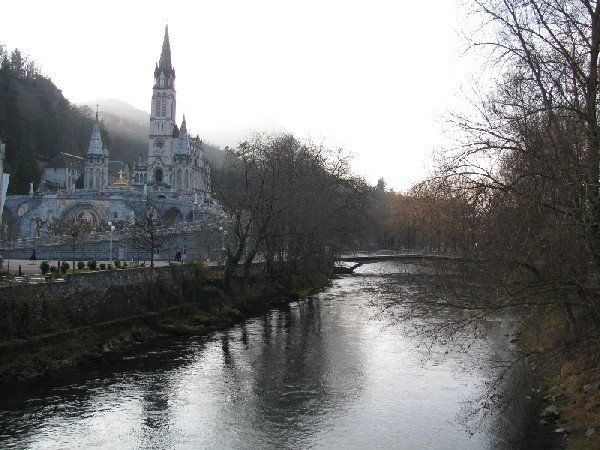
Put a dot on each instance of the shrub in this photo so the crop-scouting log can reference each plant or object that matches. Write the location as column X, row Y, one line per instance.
column 53, row 269
column 124, row 265
column 80, row 265
column 102, row 266
column 64, row 266
column 117, row 263
column 109, row 267
column 45, row 267
column 91, row 264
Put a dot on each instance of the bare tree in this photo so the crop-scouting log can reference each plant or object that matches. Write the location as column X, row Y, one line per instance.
column 291, row 201
column 531, row 164
column 520, row 194
column 74, row 230
column 149, row 231
column 9, row 232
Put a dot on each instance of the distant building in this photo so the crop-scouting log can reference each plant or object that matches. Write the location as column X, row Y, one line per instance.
column 62, row 172
column 172, row 176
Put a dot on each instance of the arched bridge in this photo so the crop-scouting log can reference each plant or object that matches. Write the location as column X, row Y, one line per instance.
column 379, row 256
column 360, row 258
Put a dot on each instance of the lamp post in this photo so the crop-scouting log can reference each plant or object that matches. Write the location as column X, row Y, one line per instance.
column 222, row 238
column 223, row 232
column 112, row 228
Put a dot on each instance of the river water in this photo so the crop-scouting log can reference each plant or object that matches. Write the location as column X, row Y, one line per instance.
column 331, row 371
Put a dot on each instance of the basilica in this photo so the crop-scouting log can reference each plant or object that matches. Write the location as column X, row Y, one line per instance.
column 172, row 174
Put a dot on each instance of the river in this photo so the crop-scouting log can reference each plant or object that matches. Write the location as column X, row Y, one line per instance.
column 331, row 371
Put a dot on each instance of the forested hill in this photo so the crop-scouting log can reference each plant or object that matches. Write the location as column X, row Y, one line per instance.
column 37, row 122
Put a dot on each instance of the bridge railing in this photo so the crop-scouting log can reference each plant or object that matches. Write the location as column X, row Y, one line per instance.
column 359, row 255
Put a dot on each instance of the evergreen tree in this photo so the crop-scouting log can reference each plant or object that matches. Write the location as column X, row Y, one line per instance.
column 52, row 124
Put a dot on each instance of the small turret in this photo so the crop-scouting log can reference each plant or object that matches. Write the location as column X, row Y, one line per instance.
column 96, row 160
column 95, row 147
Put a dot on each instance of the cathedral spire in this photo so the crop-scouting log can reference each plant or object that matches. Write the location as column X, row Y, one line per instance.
column 165, row 55
column 164, row 74
column 183, row 126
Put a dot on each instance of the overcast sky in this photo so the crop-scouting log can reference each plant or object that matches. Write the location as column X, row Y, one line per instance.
column 375, row 77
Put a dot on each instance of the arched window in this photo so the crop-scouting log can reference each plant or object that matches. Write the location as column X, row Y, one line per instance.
column 157, row 106
column 164, row 106
column 178, row 182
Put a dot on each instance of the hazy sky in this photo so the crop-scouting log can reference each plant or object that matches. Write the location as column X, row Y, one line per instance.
column 374, row 77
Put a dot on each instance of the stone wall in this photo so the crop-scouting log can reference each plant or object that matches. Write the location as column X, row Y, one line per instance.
column 92, row 298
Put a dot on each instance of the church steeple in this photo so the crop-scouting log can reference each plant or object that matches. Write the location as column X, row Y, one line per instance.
column 96, row 161
column 165, row 56
column 164, row 73
column 174, row 159
column 95, row 147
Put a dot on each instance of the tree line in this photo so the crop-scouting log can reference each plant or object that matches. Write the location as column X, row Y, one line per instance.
column 519, row 197
column 36, row 120
column 291, row 202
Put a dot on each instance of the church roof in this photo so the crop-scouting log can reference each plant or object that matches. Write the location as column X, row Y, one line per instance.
column 66, row 160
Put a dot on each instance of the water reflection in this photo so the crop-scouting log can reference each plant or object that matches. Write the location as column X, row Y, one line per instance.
column 328, row 372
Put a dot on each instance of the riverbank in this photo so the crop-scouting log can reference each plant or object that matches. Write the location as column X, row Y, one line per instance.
column 569, row 370
column 174, row 304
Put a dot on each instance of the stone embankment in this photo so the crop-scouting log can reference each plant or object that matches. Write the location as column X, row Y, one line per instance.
column 91, row 316
column 91, row 298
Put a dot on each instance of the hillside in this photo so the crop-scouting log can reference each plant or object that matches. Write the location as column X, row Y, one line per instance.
column 36, row 121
